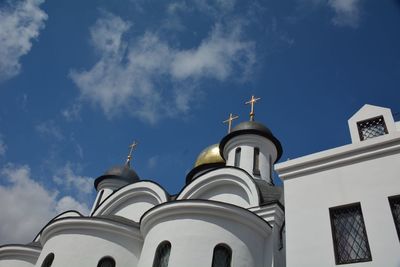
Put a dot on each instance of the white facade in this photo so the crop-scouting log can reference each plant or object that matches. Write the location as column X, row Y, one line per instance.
column 236, row 207
column 365, row 172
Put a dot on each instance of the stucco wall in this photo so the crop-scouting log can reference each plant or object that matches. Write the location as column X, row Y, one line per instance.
column 200, row 233
column 309, row 197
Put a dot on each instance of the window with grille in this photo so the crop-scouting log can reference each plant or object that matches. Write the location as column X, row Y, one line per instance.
column 222, row 256
column 237, row 156
column 372, row 128
column 48, row 261
column 395, row 207
column 106, row 262
column 162, row 254
column 256, row 161
column 350, row 239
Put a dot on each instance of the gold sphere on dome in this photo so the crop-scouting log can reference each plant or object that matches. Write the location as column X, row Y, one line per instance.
column 209, row 155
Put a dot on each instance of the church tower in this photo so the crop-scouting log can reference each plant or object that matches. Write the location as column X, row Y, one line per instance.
column 114, row 178
column 252, row 147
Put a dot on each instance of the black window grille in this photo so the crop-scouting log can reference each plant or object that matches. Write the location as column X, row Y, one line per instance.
column 256, row 161
column 106, row 262
column 237, row 157
column 395, row 207
column 222, row 256
column 350, row 239
column 48, row 261
column 372, row 128
column 162, row 254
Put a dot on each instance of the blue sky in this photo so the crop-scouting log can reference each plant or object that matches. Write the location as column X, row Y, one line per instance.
column 80, row 80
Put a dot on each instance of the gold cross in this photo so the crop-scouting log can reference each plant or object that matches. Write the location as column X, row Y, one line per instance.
column 252, row 101
column 229, row 121
column 132, row 147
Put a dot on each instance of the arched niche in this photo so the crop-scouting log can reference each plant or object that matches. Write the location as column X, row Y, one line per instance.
column 228, row 184
column 133, row 200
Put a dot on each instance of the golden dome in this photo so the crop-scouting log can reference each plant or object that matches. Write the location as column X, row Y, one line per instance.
column 209, row 155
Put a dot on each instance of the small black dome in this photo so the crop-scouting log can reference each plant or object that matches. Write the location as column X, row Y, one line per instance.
column 252, row 127
column 119, row 172
column 124, row 172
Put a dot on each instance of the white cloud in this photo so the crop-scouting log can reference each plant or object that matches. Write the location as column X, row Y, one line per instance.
column 68, row 178
column 49, row 129
column 21, row 22
column 152, row 162
column 3, row 146
column 127, row 77
column 215, row 57
column 347, row 12
column 177, row 6
column 26, row 206
column 73, row 112
column 69, row 203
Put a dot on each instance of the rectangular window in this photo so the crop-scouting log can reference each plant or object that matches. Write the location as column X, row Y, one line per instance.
column 395, row 207
column 350, row 239
column 256, row 161
column 237, row 157
column 372, row 128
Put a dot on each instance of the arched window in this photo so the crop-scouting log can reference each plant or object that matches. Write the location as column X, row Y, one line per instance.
column 48, row 261
column 256, row 161
column 222, row 256
column 162, row 254
column 106, row 262
column 237, row 157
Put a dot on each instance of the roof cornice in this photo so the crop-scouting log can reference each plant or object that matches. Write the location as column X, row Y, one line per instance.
column 20, row 252
column 105, row 225
column 204, row 208
column 344, row 155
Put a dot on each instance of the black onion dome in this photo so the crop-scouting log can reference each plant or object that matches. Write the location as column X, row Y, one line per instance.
column 119, row 172
column 252, row 127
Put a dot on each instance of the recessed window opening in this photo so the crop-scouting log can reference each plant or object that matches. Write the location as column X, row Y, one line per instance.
column 222, row 256
column 237, row 157
column 106, row 262
column 372, row 128
column 350, row 239
column 256, row 161
column 161, row 257
column 395, row 207
column 271, row 169
column 48, row 261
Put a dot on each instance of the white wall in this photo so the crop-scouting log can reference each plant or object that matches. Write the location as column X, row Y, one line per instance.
column 247, row 143
column 198, row 234
column 83, row 242
column 309, row 196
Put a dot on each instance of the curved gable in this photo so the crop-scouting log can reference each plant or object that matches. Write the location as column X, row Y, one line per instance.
column 133, row 200
column 228, row 184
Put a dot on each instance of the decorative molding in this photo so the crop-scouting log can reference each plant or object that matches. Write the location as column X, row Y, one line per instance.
column 206, row 209
column 272, row 213
column 345, row 155
column 129, row 192
column 20, row 252
column 218, row 177
column 99, row 225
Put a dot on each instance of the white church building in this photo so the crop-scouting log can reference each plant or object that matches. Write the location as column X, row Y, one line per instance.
column 340, row 206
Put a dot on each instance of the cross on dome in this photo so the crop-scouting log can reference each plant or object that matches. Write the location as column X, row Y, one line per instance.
column 252, row 101
column 129, row 158
column 229, row 121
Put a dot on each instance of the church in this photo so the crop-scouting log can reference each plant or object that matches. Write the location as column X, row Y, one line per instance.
column 339, row 206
